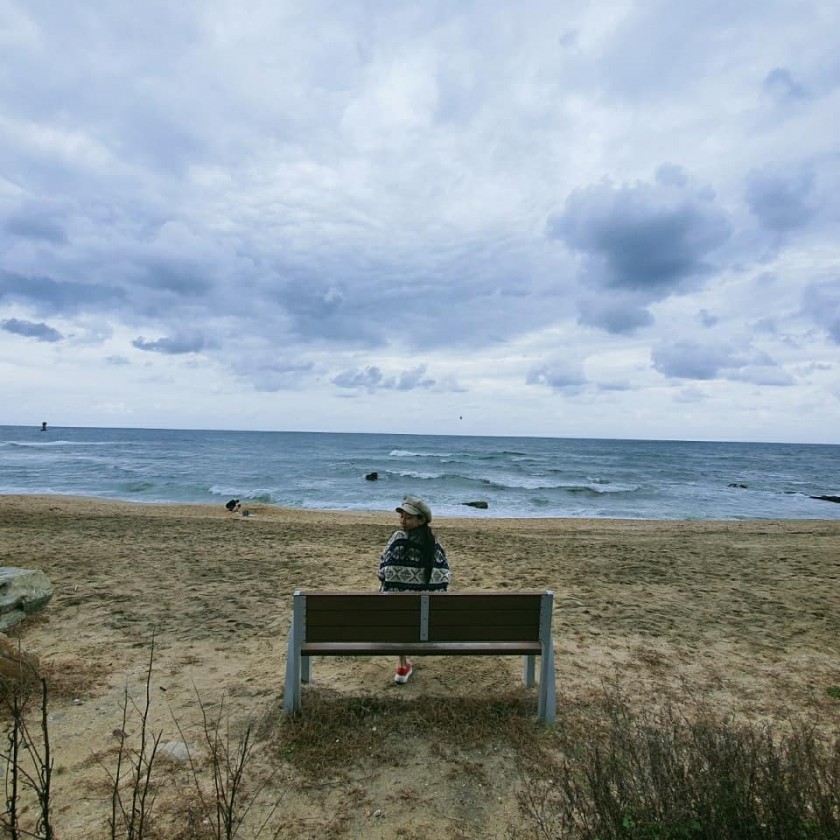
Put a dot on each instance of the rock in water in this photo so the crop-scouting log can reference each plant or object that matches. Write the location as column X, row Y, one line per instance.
column 373, row 476
column 480, row 505
column 22, row 592
column 827, row 498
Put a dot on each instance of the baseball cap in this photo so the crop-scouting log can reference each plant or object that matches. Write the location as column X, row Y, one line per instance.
column 415, row 507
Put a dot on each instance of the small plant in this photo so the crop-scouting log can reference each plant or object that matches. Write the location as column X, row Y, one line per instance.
column 230, row 802
column 28, row 758
column 685, row 775
column 130, row 813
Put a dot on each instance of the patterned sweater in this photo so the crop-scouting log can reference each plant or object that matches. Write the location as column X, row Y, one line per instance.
column 401, row 566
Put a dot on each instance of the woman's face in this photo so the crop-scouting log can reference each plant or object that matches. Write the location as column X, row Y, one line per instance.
column 407, row 521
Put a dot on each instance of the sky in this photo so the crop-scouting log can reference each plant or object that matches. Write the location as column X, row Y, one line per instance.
column 593, row 219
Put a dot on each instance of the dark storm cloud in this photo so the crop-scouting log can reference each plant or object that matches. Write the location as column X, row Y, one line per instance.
column 179, row 277
column 32, row 226
column 44, row 294
column 782, row 200
column 371, row 379
column 270, row 376
column 322, row 310
column 620, row 315
column 648, row 240
column 696, row 360
column 409, row 380
column 821, row 302
column 780, row 85
column 692, row 360
column 172, row 345
column 29, row 329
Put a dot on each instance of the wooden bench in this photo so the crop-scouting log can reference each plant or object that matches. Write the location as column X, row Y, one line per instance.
column 423, row 624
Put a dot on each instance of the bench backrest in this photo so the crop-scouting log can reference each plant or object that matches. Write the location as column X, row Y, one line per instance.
column 420, row 617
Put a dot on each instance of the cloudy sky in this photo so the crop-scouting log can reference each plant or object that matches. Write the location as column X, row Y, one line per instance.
column 599, row 219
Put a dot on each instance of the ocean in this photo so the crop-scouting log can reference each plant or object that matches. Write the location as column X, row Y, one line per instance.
column 515, row 476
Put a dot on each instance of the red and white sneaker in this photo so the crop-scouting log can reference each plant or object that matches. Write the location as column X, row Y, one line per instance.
column 403, row 672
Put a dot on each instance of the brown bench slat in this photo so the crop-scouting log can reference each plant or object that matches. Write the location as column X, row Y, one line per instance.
column 372, row 618
column 493, row 633
column 411, row 618
column 513, row 618
column 376, row 601
column 479, row 633
column 486, row 601
column 420, row 648
column 461, row 593
column 363, row 633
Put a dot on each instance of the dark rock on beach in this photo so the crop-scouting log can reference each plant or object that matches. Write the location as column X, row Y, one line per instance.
column 827, row 498
column 480, row 505
column 372, row 476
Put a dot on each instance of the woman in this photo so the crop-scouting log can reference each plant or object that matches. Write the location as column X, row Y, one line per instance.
column 413, row 561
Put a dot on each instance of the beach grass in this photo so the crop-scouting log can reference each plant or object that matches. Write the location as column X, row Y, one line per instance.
column 612, row 769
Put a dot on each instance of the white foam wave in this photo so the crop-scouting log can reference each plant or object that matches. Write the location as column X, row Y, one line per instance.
column 407, row 453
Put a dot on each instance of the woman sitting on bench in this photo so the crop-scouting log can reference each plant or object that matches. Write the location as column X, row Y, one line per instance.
column 413, row 561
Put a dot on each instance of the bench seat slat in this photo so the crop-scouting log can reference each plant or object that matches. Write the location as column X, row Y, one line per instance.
column 485, row 601
column 510, row 618
column 372, row 618
column 376, row 601
column 490, row 632
column 396, row 633
column 363, row 633
column 454, row 595
column 421, row 648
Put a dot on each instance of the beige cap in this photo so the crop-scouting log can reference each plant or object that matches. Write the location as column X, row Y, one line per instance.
column 415, row 507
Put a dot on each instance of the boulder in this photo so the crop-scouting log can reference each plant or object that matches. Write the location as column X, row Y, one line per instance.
column 373, row 476
column 827, row 498
column 479, row 505
column 738, row 484
column 22, row 592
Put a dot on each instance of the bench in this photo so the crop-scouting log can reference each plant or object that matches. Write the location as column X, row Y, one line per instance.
column 422, row 624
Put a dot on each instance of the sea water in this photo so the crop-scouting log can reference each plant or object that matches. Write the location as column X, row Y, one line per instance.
column 515, row 476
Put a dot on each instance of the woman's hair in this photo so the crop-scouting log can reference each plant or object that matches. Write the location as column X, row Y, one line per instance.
column 427, row 549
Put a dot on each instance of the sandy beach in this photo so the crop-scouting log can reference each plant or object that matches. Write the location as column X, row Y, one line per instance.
column 745, row 614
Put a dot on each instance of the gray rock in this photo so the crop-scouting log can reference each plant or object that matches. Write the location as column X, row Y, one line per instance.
column 176, row 750
column 827, row 498
column 22, row 593
column 479, row 505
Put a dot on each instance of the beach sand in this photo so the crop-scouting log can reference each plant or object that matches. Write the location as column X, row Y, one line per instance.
column 744, row 614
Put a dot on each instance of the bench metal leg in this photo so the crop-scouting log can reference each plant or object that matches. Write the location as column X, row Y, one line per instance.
column 291, row 701
column 294, row 668
column 305, row 669
column 529, row 677
column 547, row 702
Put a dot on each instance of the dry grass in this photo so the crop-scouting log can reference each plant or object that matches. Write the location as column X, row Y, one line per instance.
column 613, row 769
column 684, row 772
column 337, row 738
